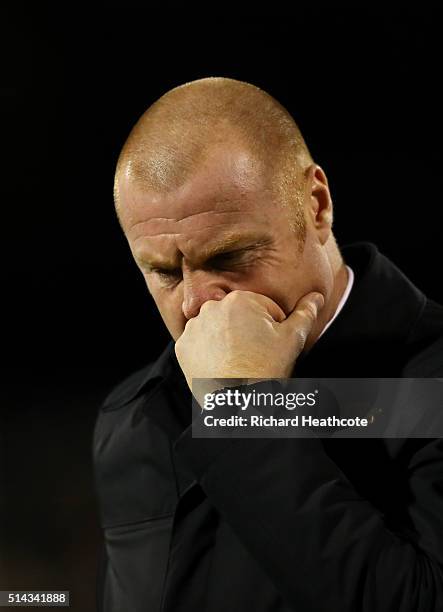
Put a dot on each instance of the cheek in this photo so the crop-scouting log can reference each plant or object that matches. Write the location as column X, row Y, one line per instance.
column 287, row 285
column 280, row 285
column 285, row 296
column 169, row 305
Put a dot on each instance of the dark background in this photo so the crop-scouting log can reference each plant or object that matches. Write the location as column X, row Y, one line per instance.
column 363, row 85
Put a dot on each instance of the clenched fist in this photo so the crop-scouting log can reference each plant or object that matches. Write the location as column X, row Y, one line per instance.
column 245, row 335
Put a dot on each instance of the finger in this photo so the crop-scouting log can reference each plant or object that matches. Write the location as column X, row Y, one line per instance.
column 304, row 315
column 271, row 307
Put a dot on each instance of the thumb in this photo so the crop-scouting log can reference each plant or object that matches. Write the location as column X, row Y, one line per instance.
column 303, row 317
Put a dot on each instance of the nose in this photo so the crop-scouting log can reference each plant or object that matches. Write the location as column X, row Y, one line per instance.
column 198, row 288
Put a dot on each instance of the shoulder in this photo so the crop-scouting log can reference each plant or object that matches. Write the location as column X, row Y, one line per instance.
column 127, row 388
column 140, row 381
column 118, row 431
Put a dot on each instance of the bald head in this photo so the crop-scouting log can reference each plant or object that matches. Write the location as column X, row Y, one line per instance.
column 174, row 137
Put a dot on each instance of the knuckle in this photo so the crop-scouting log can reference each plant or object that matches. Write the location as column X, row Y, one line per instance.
column 233, row 300
column 207, row 305
column 234, row 295
column 301, row 335
column 188, row 325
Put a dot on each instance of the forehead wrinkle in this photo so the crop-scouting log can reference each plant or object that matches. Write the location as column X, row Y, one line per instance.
column 157, row 235
column 204, row 212
column 158, row 220
column 219, row 245
column 158, row 258
column 236, row 238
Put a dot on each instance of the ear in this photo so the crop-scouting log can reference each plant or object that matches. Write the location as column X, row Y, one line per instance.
column 319, row 202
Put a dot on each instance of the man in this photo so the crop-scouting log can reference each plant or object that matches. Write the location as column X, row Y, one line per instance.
column 230, row 222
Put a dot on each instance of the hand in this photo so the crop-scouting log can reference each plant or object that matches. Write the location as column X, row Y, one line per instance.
column 245, row 335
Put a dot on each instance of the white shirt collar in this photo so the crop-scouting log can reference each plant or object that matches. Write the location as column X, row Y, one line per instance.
column 342, row 302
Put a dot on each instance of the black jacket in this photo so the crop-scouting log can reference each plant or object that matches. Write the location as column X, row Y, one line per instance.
column 273, row 525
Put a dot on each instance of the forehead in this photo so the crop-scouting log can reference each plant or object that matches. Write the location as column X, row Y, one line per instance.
column 227, row 195
column 227, row 177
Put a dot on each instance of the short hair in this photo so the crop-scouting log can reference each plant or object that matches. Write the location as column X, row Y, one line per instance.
column 176, row 133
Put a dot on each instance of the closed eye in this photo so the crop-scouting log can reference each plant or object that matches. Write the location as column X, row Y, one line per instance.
column 240, row 257
column 168, row 275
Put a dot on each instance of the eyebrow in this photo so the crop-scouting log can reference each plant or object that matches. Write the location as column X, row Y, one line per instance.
column 234, row 242
column 228, row 244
